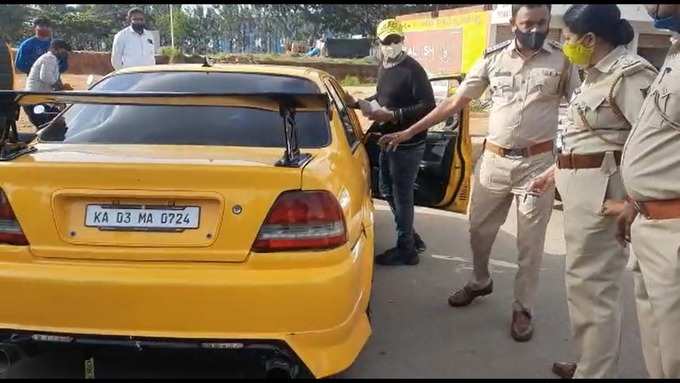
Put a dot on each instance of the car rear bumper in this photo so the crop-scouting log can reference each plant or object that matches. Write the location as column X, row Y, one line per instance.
column 319, row 311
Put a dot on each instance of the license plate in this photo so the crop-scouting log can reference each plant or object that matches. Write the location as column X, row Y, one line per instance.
column 132, row 218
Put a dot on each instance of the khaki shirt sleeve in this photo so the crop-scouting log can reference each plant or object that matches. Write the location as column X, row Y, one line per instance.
column 630, row 93
column 476, row 81
column 573, row 81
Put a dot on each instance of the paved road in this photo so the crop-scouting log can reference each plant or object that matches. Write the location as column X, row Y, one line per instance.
column 416, row 334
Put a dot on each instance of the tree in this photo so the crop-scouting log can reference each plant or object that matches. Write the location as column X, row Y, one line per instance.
column 15, row 22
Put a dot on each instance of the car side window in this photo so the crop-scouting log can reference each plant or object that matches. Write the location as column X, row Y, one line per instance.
column 343, row 111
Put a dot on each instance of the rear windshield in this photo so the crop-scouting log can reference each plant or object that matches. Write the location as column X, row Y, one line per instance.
column 189, row 125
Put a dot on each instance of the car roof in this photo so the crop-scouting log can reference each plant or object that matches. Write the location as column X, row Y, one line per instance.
column 312, row 74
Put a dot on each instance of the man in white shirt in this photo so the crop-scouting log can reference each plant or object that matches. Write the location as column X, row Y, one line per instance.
column 133, row 46
column 45, row 77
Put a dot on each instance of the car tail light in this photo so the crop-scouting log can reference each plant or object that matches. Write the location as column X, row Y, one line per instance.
column 10, row 231
column 302, row 220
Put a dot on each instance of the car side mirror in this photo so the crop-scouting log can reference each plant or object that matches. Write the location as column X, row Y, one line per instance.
column 90, row 80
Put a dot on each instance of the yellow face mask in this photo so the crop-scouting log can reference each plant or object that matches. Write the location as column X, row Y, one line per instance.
column 578, row 53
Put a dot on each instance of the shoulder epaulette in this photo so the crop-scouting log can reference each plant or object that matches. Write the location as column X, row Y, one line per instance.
column 631, row 64
column 496, row 47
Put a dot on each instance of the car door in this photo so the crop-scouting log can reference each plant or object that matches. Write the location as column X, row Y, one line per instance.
column 355, row 171
column 443, row 180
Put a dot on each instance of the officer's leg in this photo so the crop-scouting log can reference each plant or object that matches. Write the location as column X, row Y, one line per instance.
column 649, row 332
column 533, row 214
column 595, row 263
column 657, row 248
column 490, row 202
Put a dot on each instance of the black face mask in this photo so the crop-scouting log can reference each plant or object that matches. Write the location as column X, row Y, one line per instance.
column 139, row 28
column 530, row 40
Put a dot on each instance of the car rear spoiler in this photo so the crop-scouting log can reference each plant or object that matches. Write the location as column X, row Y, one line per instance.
column 287, row 104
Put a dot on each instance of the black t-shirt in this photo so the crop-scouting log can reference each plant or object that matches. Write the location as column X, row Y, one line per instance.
column 405, row 89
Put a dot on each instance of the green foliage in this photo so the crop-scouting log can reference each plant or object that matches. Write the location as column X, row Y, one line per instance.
column 350, row 81
column 197, row 28
column 15, row 22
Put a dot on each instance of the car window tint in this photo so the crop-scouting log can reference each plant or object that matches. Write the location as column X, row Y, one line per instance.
column 189, row 125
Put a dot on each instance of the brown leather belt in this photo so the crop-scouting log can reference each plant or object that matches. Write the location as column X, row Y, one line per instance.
column 660, row 209
column 523, row 152
column 584, row 161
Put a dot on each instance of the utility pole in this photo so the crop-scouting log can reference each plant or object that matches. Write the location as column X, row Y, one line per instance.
column 172, row 29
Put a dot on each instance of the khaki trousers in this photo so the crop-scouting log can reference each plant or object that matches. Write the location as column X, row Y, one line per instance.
column 499, row 181
column 656, row 245
column 595, row 263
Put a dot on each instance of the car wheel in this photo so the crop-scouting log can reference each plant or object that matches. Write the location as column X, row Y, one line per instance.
column 6, row 67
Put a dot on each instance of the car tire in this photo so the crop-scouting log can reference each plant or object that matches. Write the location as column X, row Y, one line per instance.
column 6, row 67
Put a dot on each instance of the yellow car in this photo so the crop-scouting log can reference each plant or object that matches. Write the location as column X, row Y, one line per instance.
column 221, row 207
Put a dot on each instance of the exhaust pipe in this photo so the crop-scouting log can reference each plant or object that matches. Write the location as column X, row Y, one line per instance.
column 9, row 355
column 278, row 368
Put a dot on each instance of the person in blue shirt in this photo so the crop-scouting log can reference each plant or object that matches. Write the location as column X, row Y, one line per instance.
column 33, row 47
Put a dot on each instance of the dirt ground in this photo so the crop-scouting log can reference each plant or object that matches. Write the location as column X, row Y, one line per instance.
column 77, row 81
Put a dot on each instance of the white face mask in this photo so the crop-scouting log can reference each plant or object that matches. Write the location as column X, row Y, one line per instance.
column 391, row 51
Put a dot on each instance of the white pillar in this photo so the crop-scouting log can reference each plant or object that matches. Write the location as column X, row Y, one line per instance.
column 172, row 29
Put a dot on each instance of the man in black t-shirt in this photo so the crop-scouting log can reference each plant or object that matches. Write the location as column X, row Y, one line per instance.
column 405, row 95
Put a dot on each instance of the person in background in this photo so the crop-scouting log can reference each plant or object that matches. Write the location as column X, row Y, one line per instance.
column 587, row 175
column 33, row 47
column 528, row 77
column 133, row 46
column 650, row 167
column 405, row 95
column 45, row 77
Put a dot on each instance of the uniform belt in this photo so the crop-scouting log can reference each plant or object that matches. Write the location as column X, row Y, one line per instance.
column 584, row 161
column 523, row 152
column 660, row 209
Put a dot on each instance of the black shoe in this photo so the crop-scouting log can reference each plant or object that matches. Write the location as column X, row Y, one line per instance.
column 394, row 256
column 418, row 243
column 390, row 257
column 413, row 260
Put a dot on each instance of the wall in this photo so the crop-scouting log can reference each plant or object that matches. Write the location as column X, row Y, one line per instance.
column 99, row 63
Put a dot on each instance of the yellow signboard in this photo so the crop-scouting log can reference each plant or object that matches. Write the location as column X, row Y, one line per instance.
column 475, row 26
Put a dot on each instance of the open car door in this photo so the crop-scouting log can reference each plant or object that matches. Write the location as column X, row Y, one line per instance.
column 444, row 177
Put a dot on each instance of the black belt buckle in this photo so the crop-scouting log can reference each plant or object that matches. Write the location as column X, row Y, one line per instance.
column 514, row 154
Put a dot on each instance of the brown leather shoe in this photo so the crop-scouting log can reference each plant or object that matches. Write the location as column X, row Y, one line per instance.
column 467, row 294
column 564, row 370
column 521, row 329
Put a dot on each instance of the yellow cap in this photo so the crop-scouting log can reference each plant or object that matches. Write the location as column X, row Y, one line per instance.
column 389, row 27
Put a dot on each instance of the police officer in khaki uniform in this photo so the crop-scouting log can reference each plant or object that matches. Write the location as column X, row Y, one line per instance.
column 598, row 121
column 651, row 175
column 527, row 77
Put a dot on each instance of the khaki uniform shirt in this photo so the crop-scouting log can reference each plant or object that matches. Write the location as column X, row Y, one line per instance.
column 651, row 156
column 603, row 129
column 525, row 92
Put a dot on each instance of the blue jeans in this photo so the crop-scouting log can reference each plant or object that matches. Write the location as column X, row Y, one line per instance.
column 398, row 172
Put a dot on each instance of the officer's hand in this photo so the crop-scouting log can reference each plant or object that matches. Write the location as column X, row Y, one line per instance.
column 542, row 183
column 390, row 141
column 612, row 207
column 623, row 222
